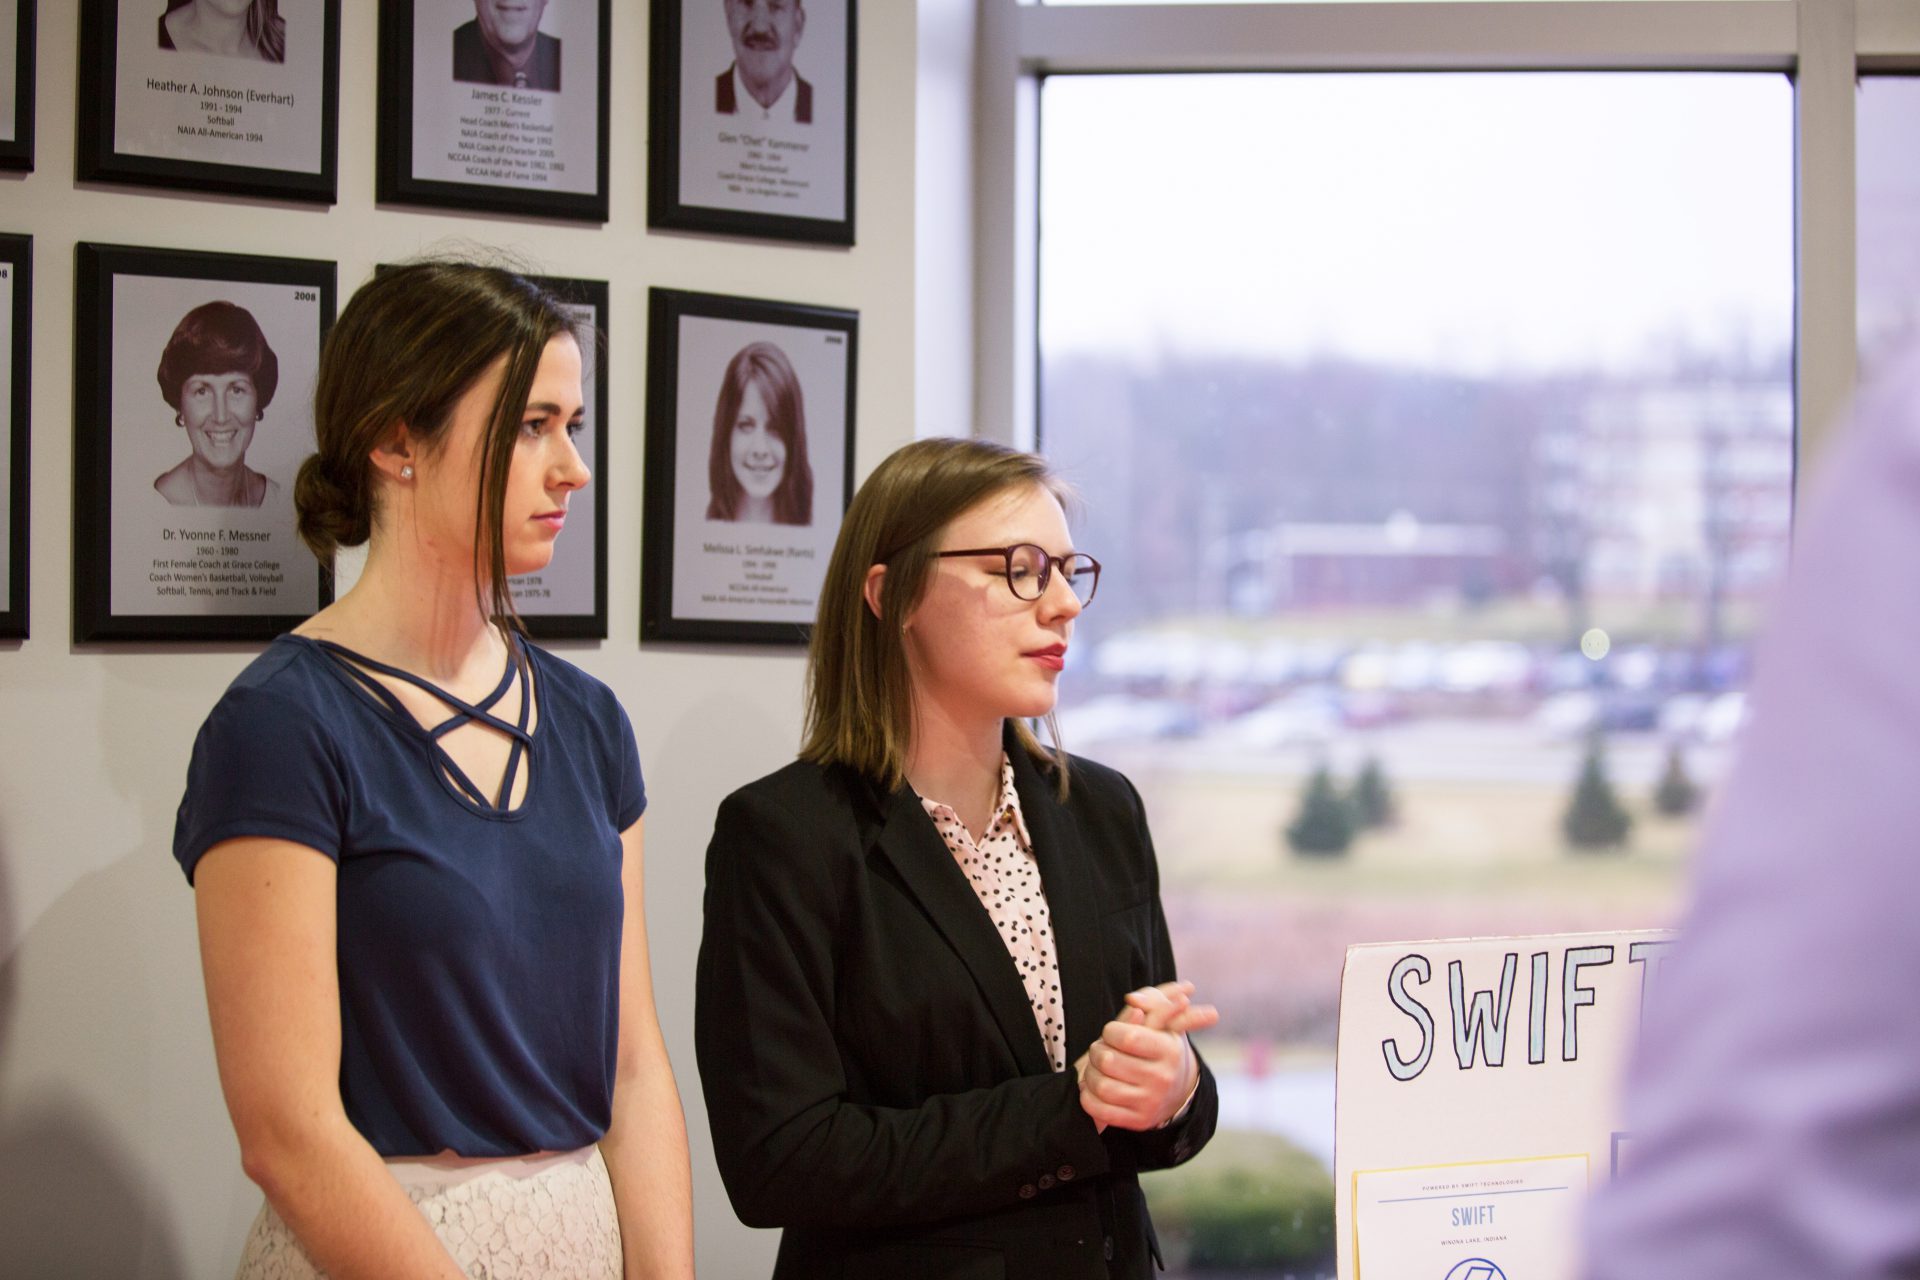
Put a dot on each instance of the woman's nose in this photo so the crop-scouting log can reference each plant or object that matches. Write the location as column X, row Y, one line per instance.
column 572, row 472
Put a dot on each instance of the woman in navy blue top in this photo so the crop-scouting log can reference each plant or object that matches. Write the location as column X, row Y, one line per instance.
column 415, row 842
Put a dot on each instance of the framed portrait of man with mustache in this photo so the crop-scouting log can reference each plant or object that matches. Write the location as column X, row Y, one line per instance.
column 495, row 105
column 752, row 118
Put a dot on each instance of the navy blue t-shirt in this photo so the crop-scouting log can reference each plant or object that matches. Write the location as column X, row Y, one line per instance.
column 478, row 951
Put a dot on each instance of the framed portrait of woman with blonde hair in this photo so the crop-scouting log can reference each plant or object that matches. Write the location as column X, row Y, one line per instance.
column 239, row 97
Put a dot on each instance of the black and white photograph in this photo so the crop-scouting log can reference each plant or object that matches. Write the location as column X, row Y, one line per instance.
column 749, row 464
column 752, row 104
column 240, row 97
column 495, row 105
column 193, row 385
column 567, row 600
column 16, row 85
column 16, row 297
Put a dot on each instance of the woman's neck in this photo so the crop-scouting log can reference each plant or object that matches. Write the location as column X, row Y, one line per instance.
column 755, row 510
column 955, row 759
column 216, row 32
column 419, row 613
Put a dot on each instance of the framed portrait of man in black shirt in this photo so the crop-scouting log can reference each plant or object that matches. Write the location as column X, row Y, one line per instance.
column 495, row 105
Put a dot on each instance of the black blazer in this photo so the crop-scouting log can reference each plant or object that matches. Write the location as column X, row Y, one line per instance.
column 873, row 1076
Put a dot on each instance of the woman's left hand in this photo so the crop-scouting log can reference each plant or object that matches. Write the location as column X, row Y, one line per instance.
column 1141, row 1071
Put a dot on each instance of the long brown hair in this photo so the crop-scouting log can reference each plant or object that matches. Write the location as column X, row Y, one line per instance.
column 764, row 365
column 859, row 689
column 410, row 342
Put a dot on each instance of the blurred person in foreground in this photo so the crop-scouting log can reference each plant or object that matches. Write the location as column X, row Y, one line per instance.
column 1774, row 1100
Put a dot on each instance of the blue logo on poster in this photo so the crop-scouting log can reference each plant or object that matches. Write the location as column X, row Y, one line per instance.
column 1476, row 1269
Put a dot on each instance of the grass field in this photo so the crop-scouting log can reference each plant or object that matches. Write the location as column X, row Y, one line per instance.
column 1263, row 932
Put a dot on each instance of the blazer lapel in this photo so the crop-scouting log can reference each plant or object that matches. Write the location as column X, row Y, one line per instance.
column 910, row 843
column 1062, row 858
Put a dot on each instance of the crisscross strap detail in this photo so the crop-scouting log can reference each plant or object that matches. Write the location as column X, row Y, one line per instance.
column 359, row 665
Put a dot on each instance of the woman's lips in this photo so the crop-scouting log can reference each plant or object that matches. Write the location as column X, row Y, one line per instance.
column 1053, row 657
column 552, row 519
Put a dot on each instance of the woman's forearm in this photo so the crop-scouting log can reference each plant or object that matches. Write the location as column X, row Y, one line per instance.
column 646, row 1153
column 344, row 1207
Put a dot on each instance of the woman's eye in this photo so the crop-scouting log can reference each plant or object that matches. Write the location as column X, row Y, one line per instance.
column 532, row 426
column 575, row 427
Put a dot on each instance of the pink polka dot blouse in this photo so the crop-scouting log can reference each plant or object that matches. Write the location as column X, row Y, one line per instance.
column 1003, row 873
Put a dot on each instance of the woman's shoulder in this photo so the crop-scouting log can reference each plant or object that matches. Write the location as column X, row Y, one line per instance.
column 575, row 682
column 1094, row 786
column 283, row 689
column 802, row 787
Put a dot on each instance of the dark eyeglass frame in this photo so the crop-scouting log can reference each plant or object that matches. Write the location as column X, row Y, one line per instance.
column 1045, row 576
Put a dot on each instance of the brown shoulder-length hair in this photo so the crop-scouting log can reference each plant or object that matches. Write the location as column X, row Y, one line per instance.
column 406, row 347
column 766, row 366
column 859, row 709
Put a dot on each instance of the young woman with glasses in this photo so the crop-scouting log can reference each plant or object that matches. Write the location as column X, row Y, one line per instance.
column 937, row 1017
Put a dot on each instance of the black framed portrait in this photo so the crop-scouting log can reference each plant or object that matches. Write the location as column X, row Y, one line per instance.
column 16, row 85
column 193, row 393
column 752, row 118
column 211, row 95
column 500, row 106
column 568, row 599
column 16, row 310
column 749, row 464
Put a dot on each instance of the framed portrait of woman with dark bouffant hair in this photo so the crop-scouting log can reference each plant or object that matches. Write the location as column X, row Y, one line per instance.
column 749, row 464
column 240, row 97
column 193, row 385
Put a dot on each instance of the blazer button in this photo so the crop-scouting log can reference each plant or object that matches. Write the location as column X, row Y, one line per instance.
column 1028, row 1192
column 1046, row 1182
column 1066, row 1173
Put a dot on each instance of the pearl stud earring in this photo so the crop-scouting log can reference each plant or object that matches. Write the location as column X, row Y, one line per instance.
column 406, row 471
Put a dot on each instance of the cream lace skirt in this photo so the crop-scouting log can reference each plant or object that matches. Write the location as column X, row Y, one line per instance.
column 545, row 1217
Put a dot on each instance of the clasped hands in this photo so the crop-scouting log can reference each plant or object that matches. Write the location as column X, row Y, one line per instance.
column 1141, row 1070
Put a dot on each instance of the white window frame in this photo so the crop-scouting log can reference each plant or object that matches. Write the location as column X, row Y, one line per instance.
column 1822, row 44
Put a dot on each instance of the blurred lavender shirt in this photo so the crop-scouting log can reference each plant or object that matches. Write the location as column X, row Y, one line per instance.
column 1774, row 1100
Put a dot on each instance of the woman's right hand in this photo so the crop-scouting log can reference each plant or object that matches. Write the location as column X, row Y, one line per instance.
column 1141, row 1071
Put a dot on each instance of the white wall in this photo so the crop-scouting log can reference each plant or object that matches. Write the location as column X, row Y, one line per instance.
column 116, row 1157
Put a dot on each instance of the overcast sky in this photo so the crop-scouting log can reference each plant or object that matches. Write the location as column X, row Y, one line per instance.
column 1467, row 222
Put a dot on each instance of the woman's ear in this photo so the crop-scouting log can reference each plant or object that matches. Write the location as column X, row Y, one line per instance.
column 870, row 590
column 394, row 456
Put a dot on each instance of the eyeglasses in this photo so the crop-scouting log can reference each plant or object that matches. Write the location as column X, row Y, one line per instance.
column 1030, row 570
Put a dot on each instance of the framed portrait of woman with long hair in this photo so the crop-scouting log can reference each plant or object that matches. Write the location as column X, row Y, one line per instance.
column 749, row 464
column 192, row 410
column 239, row 97
column 16, row 310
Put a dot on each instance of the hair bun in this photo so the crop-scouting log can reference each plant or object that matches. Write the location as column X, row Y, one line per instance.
column 332, row 514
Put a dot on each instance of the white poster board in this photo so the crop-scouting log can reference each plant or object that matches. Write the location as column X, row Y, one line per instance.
column 1475, row 1100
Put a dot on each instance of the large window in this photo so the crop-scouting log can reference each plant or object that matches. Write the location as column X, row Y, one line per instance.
column 1436, row 431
